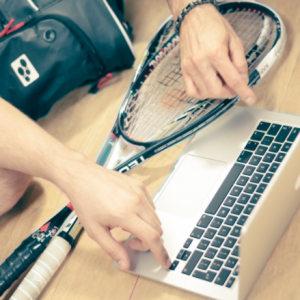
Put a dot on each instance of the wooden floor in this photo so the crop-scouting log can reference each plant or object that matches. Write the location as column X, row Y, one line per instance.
column 82, row 121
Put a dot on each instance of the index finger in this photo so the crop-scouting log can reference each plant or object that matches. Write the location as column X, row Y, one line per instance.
column 152, row 238
column 233, row 79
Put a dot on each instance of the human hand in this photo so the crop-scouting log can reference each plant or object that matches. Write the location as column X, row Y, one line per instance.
column 212, row 57
column 105, row 199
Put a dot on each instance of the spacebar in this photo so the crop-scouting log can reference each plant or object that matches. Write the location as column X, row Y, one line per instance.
column 224, row 189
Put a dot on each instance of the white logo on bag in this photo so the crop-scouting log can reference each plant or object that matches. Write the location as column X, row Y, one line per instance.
column 25, row 71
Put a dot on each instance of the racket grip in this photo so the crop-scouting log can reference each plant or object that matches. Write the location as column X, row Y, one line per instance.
column 43, row 270
column 18, row 262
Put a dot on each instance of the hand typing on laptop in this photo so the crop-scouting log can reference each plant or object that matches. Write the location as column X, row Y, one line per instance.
column 212, row 55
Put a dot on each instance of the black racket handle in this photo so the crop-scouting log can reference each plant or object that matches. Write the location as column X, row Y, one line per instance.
column 19, row 261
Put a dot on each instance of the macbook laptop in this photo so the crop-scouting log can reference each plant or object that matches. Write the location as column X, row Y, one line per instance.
column 226, row 203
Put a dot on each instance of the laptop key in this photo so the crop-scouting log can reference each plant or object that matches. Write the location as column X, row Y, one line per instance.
column 243, row 199
column 274, row 129
column 274, row 167
column 242, row 180
column 236, row 251
column 187, row 243
column 261, row 188
column 275, row 147
column 267, row 178
column 286, row 147
column 293, row 135
column 224, row 230
column 256, row 178
column 230, row 220
column 231, row 262
column 236, row 271
column 230, row 282
column 204, row 221
column 186, row 255
column 280, row 156
column 174, row 265
column 251, row 146
column 197, row 233
column 222, row 277
column 223, row 253
column 216, row 265
column 250, row 188
column 210, row 253
column 257, row 136
column 249, row 170
column 208, row 276
column 216, row 223
column 263, row 126
column 210, row 233
column 180, row 254
column 267, row 140
column 269, row 157
column 203, row 244
column 236, row 190
column 217, row 242
column 223, row 212
column 248, row 209
column 244, row 157
column 242, row 219
column 204, row 263
column 230, row 242
column 255, row 160
column 262, row 168
column 229, row 201
column 224, row 188
column 191, row 264
column 237, row 209
column 282, row 135
column 261, row 150
column 255, row 198
column 236, row 231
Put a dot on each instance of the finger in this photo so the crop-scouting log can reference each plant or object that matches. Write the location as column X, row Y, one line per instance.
column 110, row 246
column 151, row 238
column 237, row 56
column 190, row 87
column 234, row 80
column 193, row 73
column 151, row 220
column 137, row 244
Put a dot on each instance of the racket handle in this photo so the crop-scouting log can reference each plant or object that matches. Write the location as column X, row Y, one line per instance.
column 43, row 270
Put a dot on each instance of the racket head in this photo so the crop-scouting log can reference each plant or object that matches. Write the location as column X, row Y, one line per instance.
column 158, row 99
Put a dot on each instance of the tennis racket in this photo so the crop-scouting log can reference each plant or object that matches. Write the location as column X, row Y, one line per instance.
column 156, row 113
column 30, row 249
column 35, row 244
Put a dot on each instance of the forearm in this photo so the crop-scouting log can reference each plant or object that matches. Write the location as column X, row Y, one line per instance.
column 176, row 6
column 27, row 148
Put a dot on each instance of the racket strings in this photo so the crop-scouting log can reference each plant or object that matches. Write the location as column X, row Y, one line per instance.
column 162, row 107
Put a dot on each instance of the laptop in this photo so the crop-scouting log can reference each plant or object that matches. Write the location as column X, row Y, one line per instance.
column 226, row 203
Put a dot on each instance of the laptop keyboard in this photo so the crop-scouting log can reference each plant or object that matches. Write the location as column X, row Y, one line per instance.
column 216, row 258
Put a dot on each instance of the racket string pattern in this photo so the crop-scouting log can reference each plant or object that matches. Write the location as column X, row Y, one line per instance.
column 159, row 108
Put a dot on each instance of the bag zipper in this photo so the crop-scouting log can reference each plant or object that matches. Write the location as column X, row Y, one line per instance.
column 77, row 31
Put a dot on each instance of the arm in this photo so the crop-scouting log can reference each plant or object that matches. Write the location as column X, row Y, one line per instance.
column 102, row 198
column 212, row 55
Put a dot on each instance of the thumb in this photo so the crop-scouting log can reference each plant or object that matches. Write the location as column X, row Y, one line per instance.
column 117, row 252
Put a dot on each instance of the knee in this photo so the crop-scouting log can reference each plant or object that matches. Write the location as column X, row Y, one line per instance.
column 13, row 184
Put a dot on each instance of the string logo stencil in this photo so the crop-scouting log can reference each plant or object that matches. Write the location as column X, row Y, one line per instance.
column 24, row 70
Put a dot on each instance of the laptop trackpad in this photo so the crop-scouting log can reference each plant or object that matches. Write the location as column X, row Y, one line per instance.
column 189, row 186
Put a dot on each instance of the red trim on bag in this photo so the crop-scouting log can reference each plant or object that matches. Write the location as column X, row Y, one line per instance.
column 9, row 29
column 104, row 80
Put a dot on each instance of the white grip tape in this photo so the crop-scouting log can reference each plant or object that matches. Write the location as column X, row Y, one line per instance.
column 43, row 270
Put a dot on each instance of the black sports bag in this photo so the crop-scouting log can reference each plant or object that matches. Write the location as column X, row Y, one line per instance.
column 50, row 47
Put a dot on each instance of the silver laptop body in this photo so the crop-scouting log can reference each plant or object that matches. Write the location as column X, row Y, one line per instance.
column 189, row 190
